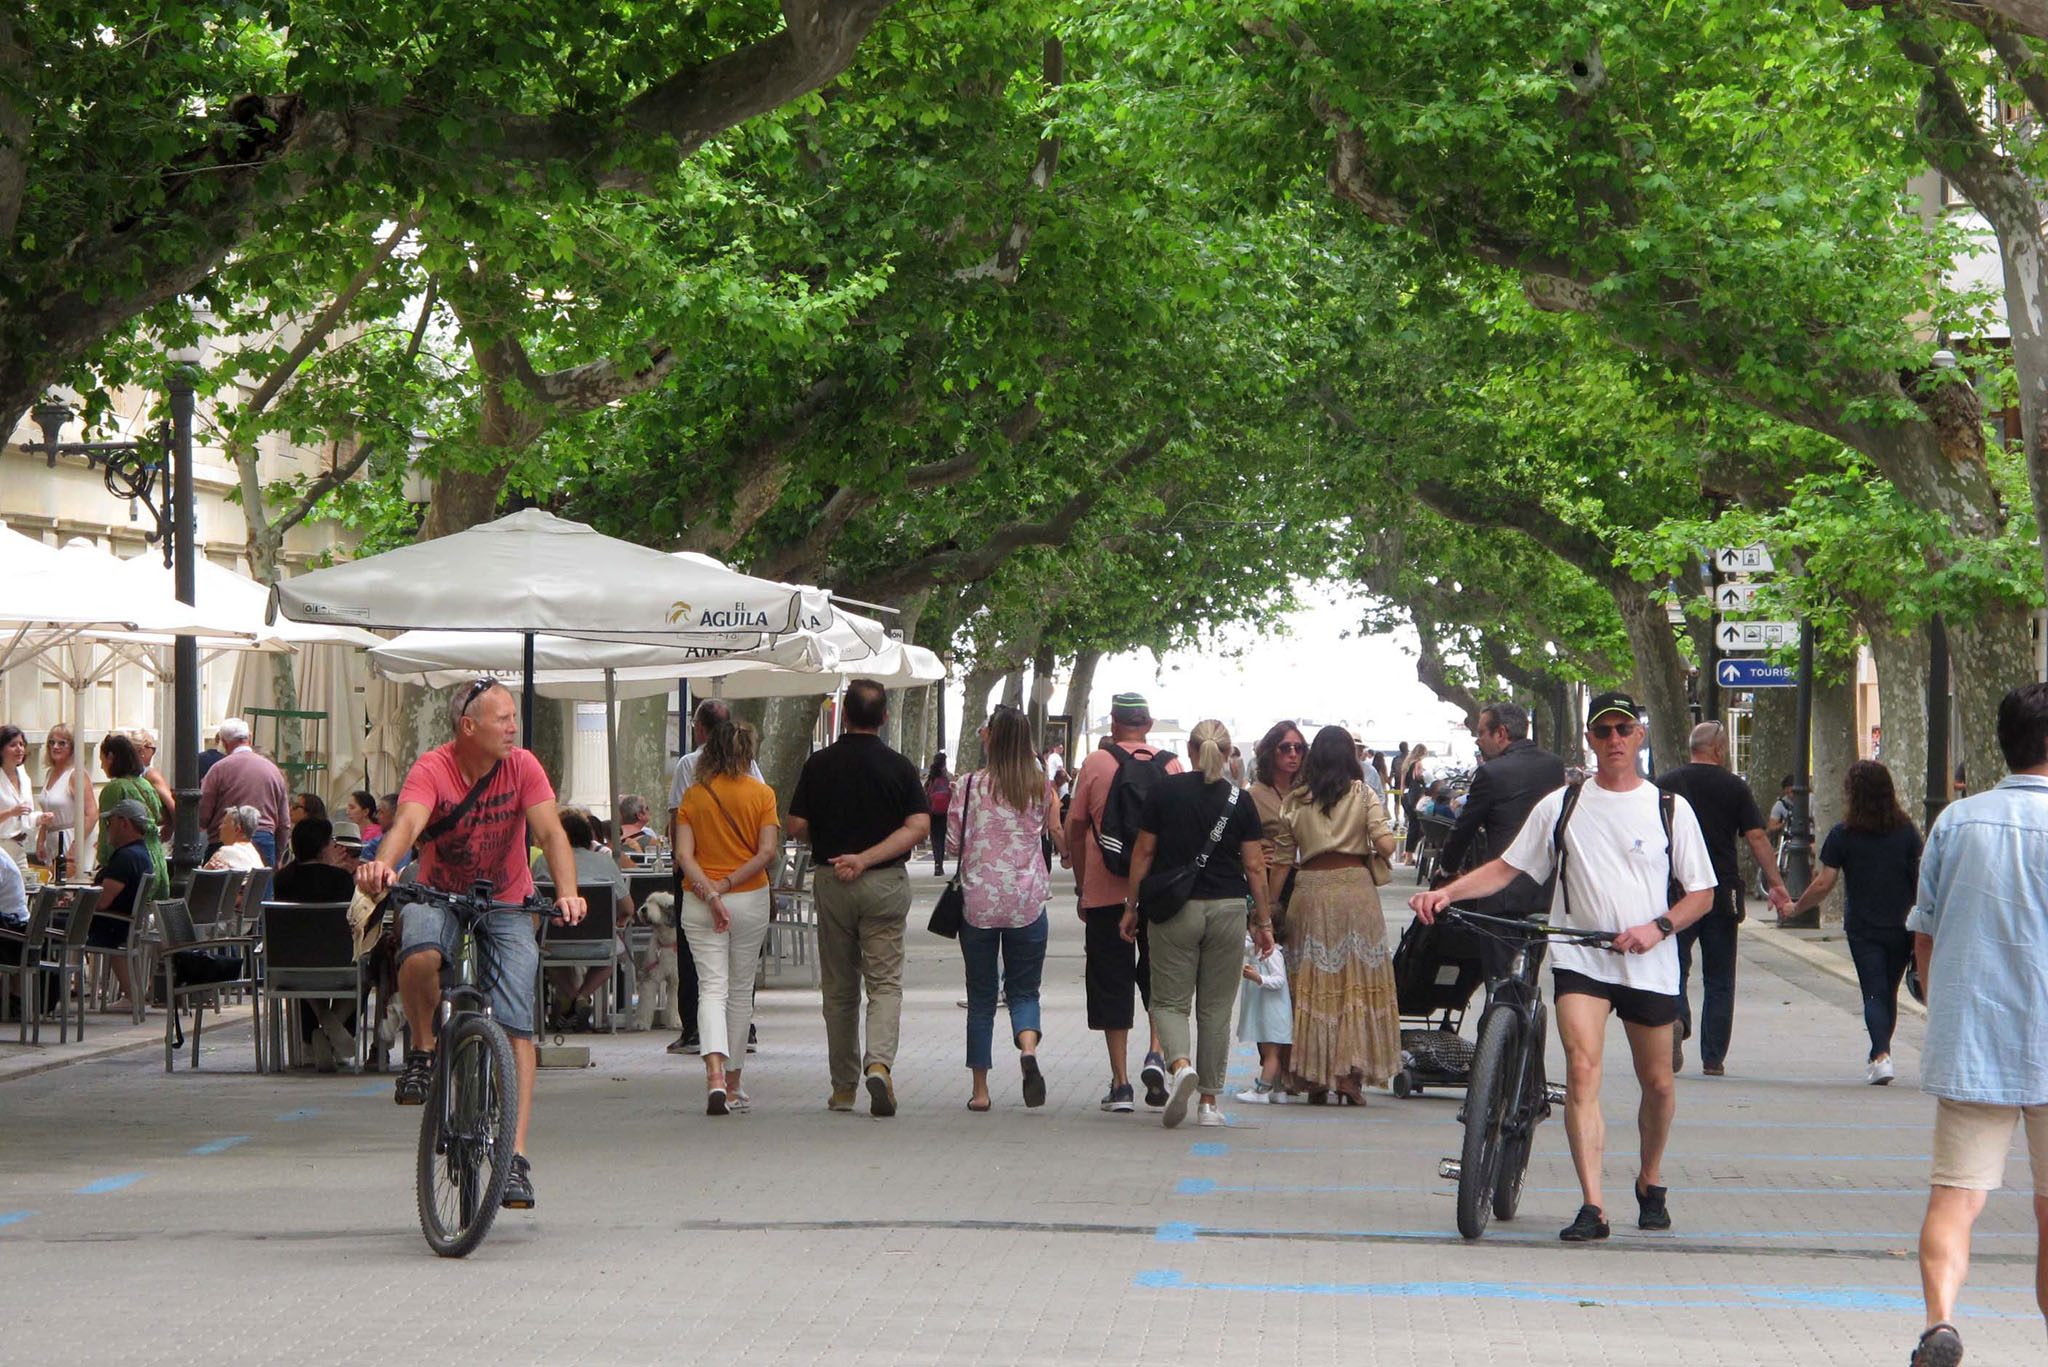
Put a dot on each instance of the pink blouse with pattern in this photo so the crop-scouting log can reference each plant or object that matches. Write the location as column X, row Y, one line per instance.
column 1003, row 870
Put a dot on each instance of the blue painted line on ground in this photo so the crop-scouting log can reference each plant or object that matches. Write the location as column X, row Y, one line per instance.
column 374, row 1089
column 15, row 1217
column 303, row 1113
column 220, row 1145
column 1187, row 1232
column 107, row 1184
column 1203, row 1186
column 1820, row 1160
column 1216, row 1150
column 1702, row 1297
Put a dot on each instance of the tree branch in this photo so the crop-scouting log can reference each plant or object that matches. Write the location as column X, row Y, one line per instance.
column 1008, row 259
column 326, row 482
column 324, row 322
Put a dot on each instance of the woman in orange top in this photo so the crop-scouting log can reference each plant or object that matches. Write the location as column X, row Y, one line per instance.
column 727, row 830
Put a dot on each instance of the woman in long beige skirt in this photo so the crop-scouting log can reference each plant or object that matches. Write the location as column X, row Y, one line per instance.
column 1347, row 1030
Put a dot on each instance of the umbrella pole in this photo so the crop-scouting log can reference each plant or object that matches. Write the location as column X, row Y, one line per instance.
column 611, row 742
column 526, row 692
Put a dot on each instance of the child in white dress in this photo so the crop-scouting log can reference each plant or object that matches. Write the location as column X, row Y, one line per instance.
column 1265, row 1017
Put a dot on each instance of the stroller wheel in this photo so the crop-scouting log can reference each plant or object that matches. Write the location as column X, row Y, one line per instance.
column 1404, row 1084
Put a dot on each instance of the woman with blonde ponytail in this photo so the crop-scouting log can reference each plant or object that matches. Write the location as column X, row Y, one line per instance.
column 1198, row 952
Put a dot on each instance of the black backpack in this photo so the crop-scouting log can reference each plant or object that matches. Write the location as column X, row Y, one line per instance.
column 1135, row 780
column 1666, row 804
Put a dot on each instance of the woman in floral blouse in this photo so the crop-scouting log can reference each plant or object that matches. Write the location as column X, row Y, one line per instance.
column 999, row 814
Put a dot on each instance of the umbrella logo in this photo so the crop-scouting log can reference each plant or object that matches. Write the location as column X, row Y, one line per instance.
column 736, row 616
column 678, row 612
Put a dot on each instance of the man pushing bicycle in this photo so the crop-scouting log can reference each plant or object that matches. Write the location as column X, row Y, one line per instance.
column 1632, row 861
column 469, row 805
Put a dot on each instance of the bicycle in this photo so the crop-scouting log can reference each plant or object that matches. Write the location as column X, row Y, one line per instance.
column 1507, row 1096
column 471, row 1116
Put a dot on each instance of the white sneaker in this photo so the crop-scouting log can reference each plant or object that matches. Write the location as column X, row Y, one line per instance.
column 1252, row 1096
column 1180, row 1089
column 1879, row 1072
column 1209, row 1114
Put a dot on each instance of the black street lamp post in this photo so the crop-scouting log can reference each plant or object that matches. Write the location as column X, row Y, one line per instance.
column 156, row 472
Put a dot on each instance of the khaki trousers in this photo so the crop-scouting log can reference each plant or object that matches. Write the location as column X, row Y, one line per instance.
column 1198, row 961
column 860, row 944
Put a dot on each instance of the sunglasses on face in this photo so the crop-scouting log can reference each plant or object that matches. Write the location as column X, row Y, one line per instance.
column 1602, row 730
column 1290, row 747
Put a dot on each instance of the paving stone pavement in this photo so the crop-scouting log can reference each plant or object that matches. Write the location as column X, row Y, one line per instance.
column 224, row 1218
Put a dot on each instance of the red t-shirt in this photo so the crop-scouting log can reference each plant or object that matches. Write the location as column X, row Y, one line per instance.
column 489, row 843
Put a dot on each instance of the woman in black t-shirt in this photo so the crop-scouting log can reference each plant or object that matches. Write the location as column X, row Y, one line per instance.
column 1198, row 953
column 1876, row 852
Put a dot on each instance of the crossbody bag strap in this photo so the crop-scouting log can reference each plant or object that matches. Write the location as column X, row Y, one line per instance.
column 737, row 829
column 1216, row 831
column 446, row 822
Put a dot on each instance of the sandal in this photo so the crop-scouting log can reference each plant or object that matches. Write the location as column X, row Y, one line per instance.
column 1940, row 1346
column 1034, row 1081
column 715, row 1102
column 979, row 1106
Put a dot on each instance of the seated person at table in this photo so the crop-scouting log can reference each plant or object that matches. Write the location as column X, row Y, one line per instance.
column 124, row 880
column 13, row 907
column 634, row 836
column 237, row 826
column 309, row 878
column 593, row 868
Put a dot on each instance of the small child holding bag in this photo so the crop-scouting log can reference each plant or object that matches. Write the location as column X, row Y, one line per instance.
column 1265, row 1017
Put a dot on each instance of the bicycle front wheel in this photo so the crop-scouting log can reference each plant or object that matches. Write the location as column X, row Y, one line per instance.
column 466, row 1136
column 1514, row 1150
column 1488, row 1101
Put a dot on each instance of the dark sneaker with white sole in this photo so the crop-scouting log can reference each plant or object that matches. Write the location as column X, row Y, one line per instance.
column 1591, row 1225
column 519, row 1185
column 1153, row 1075
column 1650, row 1210
column 415, row 1080
column 1120, row 1098
column 1939, row 1346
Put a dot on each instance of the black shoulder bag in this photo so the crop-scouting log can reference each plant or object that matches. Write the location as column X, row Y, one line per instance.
column 448, row 820
column 951, row 912
column 1165, row 891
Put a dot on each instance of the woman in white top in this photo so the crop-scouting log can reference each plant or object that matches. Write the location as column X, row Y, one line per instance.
column 64, row 782
column 237, row 824
column 21, row 820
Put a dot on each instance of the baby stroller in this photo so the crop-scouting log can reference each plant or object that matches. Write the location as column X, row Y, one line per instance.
column 1437, row 968
column 1429, row 849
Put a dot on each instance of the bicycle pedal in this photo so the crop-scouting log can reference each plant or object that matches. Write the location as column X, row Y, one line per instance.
column 1553, row 1092
column 1450, row 1169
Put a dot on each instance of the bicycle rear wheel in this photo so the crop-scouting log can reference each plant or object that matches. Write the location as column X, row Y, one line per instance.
column 466, row 1136
column 1488, row 1101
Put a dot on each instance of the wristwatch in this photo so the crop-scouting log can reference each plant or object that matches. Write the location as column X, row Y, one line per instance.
column 1663, row 923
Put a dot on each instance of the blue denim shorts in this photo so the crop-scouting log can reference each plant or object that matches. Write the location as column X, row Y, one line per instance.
column 508, row 957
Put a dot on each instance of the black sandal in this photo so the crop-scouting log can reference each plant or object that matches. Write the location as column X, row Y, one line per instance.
column 1940, row 1346
column 1034, row 1081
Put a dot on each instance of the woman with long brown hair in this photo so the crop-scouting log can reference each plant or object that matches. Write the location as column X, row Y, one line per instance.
column 1006, row 808
column 1876, row 852
column 1347, row 1032
column 1276, row 769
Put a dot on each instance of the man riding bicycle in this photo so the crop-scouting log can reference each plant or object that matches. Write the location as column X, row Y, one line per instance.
column 469, row 805
column 1621, row 848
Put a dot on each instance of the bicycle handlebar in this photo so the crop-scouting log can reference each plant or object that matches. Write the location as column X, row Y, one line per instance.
column 1528, row 930
column 467, row 905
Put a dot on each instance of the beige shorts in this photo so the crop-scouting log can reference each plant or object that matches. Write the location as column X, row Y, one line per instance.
column 1972, row 1139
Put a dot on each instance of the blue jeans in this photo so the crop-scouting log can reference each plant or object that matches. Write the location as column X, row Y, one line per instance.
column 266, row 845
column 1023, row 963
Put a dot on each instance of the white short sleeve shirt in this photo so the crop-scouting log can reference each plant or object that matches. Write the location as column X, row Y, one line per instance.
column 1615, row 875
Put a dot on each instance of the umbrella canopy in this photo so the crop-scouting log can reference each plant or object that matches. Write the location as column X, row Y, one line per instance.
column 221, row 590
column 570, row 667
column 534, row 572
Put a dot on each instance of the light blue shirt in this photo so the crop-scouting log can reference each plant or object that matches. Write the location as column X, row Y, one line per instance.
column 1984, row 899
column 13, row 891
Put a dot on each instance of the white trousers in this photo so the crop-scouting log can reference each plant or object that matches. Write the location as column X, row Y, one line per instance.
column 726, row 964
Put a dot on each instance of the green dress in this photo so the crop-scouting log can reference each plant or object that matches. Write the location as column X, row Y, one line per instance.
column 139, row 789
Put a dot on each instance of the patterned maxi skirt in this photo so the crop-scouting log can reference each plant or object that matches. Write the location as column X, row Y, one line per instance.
column 1346, row 1022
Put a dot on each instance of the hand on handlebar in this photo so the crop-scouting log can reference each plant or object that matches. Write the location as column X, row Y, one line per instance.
column 1426, row 905
column 570, row 910
column 1638, row 940
column 374, row 878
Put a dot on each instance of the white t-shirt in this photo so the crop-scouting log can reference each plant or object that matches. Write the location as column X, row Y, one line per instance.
column 686, row 774
column 1616, row 875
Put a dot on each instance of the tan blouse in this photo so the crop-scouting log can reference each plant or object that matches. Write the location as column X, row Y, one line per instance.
column 1354, row 826
column 1267, row 799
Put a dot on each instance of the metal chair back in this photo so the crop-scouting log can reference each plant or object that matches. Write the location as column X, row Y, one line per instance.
column 255, row 891
column 599, row 924
column 208, row 892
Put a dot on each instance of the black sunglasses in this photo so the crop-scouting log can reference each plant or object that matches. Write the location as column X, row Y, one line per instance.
column 1291, row 747
column 1602, row 730
column 476, row 690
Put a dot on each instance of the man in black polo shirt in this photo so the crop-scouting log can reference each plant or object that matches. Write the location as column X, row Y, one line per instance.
column 1727, row 812
column 862, row 807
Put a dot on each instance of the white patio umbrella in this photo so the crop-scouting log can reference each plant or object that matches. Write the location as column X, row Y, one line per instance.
column 534, row 573
column 55, row 614
column 222, row 590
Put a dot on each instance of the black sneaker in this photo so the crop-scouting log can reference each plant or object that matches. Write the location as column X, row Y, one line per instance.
column 1034, row 1081
column 415, row 1080
column 685, row 1043
column 1650, row 1211
column 1153, row 1075
column 519, row 1186
column 1587, row 1228
column 1121, row 1098
column 753, row 1039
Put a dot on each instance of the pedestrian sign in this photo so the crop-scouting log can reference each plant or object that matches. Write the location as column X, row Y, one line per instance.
column 1744, row 560
column 1756, row 635
column 1743, row 673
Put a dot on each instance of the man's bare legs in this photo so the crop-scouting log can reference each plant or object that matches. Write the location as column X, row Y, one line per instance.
column 419, row 987
column 1119, row 1042
column 1651, row 1047
column 1945, row 1247
column 1582, row 1027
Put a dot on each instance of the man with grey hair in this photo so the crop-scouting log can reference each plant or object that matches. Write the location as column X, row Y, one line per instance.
column 1727, row 812
column 244, row 778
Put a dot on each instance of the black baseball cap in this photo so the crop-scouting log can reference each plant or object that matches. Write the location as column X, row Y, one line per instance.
column 1613, row 700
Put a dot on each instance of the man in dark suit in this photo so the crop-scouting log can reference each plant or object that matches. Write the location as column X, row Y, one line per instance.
column 1513, row 777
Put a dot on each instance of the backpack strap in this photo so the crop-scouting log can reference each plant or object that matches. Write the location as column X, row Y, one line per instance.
column 1557, row 845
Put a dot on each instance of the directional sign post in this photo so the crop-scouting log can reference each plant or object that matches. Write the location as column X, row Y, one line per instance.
column 1756, row 635
column 1735, row 598
column 1742, row 672
column 1744, row 560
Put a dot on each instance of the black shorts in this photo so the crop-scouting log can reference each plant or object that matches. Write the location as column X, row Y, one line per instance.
column 1114, row 967
column 1632, row 1004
